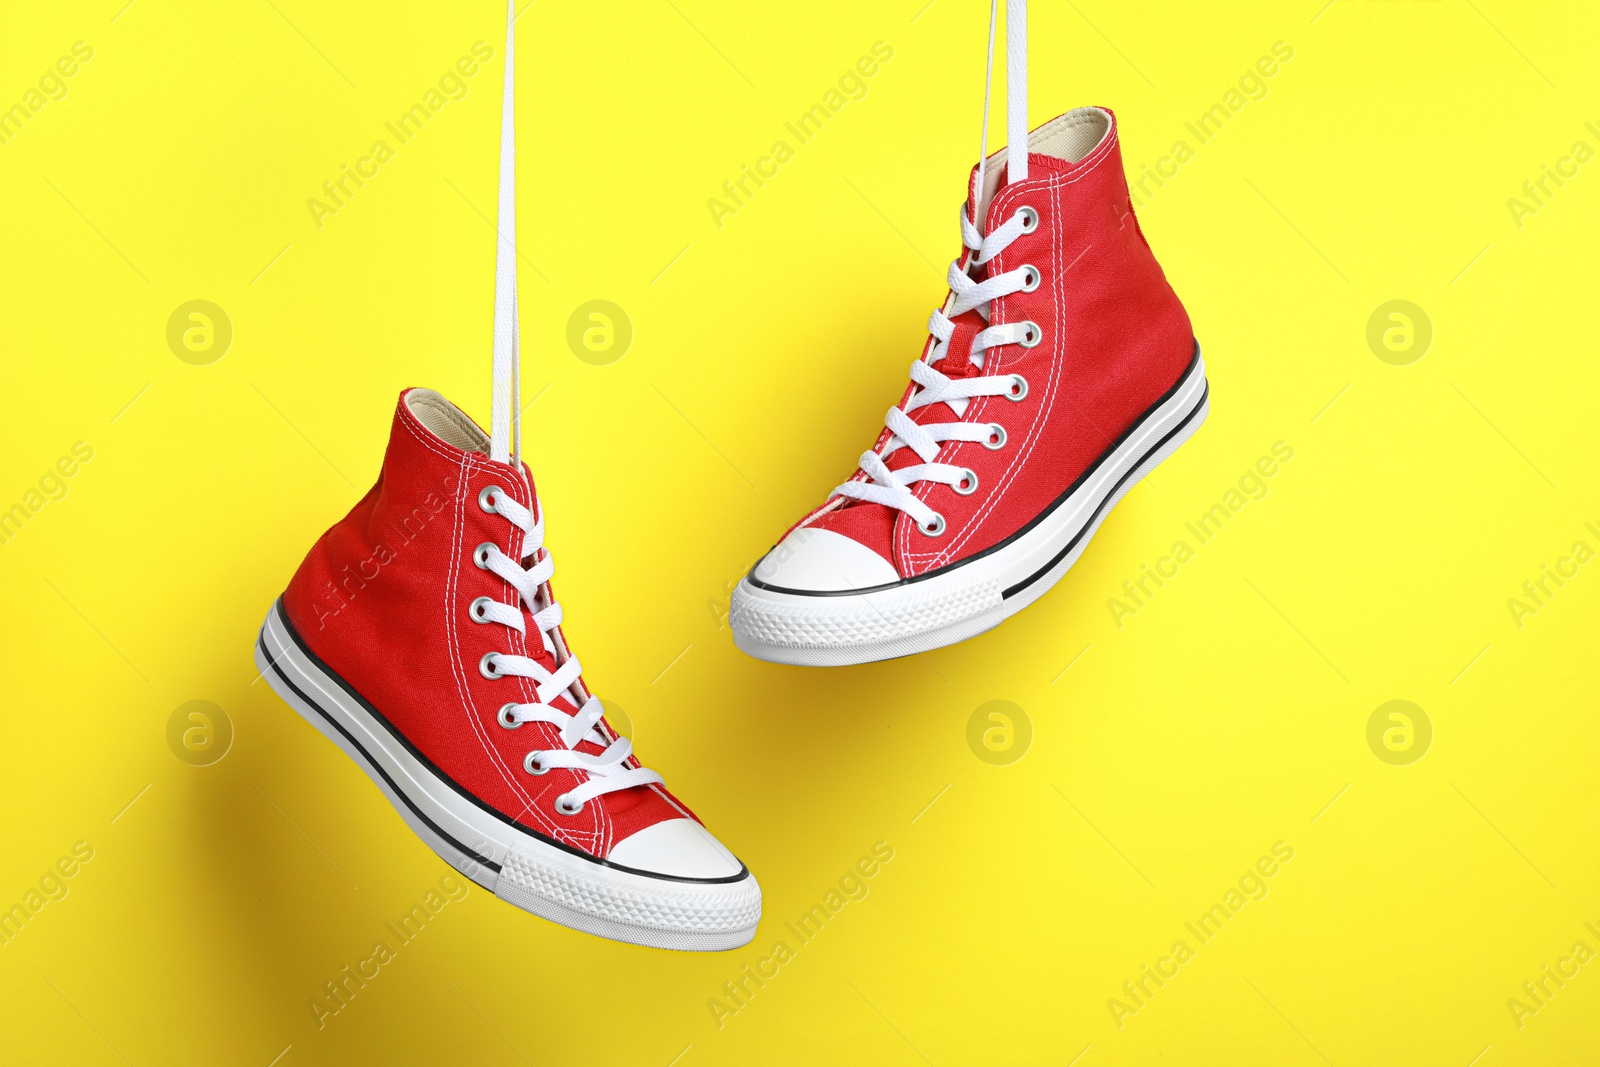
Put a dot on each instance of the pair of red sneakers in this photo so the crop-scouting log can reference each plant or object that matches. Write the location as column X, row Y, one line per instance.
column 421, row 634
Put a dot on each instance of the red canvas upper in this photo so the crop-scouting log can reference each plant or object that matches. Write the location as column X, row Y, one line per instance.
column 1116, row 339
column 382, row 600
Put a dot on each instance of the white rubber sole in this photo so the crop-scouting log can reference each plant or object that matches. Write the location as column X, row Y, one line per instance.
column 967, row 598
column 519, row 867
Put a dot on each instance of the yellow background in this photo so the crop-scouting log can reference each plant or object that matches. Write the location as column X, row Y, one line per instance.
column 1228, row 714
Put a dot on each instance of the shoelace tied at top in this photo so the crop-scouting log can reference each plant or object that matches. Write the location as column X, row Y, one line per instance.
column 894, row 488
column 607, row 771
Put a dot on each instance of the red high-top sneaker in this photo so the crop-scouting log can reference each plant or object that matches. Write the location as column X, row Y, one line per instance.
column 421, row 636
column 1061, row 369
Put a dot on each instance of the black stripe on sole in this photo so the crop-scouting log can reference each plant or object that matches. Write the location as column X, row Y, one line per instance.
column 261, row 643
column 1008, row 593
column 1060, row 500
column 436, row 772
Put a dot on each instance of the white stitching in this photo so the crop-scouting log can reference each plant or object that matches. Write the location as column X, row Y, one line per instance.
column 1057, row 358
column 457, row 668
column 470, row 463
column 947, row 552
column 923, row 562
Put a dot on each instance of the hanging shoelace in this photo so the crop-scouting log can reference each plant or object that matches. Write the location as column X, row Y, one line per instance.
column 894, row 488
column 608, row 770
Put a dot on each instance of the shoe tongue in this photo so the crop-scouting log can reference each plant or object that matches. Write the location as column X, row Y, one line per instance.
column 978, row 200
column 1059, row 145
column 451, row 426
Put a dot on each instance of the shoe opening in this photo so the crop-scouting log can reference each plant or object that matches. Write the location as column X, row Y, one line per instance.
column 1069, row 138
column 446, row 421
column 1072, row 136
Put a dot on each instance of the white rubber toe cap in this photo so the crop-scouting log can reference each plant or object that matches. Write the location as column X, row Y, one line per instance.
column 814, row 560
column 679, row 848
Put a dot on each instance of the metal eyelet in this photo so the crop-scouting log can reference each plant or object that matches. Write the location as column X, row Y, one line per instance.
column 531, row 764
column 503, row 716
column 933, row 529
column 1031, row 334
column 476, row 609
column 968, row 483
column 997, row 437
column 480, row 555
column 564, row 808
column 1018, row 390
column 1030, row 219
column 486, row 665
column 486, row 498
column 1030, row 277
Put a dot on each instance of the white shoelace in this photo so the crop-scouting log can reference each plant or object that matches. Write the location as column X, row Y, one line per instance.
column 607, row 771
column 893, row 488
column 505, row 424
